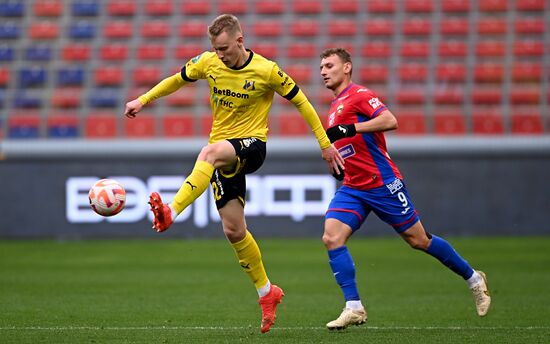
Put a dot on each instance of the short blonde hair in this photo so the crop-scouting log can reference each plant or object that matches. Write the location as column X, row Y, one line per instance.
column 224, row 23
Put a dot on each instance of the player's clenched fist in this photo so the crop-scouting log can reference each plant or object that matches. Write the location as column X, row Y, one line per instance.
column 132, row 108
column 340, row 131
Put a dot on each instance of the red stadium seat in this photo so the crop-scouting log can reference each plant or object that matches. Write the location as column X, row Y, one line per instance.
column 451, row 72
column 192, row 29
column 306, row 27
column 417, row 27
column 493, row 5
column 410, row 95
column 43, row 30
column 300, row 73
column 492, row 26
column 267, row 50
column 159, row 7
column 454, row 26
column 109, row 76
column 486, row 95
column 146, row 75
column 183, row 97
column 415, row 49
column 489, row 72
column 292, row 125
column 178, row 125
column 530, row 5
column 142, row 126
column 528, row 48
column 522, row 94
column 380, row 49
column 494, row 48
column 413, row 72
column 419, row 6
column 381, row 6
column 76, row 52
column 196, row 7
column 449, row 123
column 118, row 29
column 487, row 124
column 205, row 124
column 151, row 52
column 342, row 27
column 307, row 6
column 526, row 72
column 63, row 125
column 411, row 123
column 374, row 73
column 455, row 6
column 452, row 48
column 379, row 27
column 269, row 6
column 232, row 6
column 301, row 50
column 48, row 8
column 526, row 123
column 453, row 95
column 26, row 125
column 66, row 97
column 125, row 8
column 529, row 25
column 348, row 6
column 187, row 51
column 267, row 28
column 4, row 76
column 100, row 126
column 113, row 52
column 155, row 29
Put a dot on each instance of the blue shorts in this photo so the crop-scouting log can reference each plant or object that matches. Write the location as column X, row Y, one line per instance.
column 391, row 203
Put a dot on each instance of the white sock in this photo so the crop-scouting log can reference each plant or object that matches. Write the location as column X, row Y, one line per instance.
column 355, row 305
column 174, row 213
column 263, row 291
column 474, row 280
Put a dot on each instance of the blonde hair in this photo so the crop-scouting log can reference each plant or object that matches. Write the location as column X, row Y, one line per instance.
column 224, row 23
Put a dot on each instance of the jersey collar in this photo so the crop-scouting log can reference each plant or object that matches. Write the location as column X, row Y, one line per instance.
column 247, row 61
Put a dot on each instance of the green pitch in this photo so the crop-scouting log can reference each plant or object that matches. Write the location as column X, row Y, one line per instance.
column 178, row 291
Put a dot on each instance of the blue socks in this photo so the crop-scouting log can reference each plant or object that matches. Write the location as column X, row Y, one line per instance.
column 446, row 254
column 343, row 269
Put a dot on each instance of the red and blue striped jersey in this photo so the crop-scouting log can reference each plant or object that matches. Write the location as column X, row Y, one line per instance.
column 368, row 164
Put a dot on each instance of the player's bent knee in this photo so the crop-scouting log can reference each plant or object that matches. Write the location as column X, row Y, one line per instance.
column 332, row 241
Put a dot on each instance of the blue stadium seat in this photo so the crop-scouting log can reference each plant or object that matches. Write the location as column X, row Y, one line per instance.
column 6, row 53
column 70, row 76
column 27, row 100
column 104, row 98
column 41, row 52
column 82, row 30
column 9, row 30
column 85, row 8
column 63, row 126
column 2, row 102
column 33, row 76
column 24, row 126
column 12, row 8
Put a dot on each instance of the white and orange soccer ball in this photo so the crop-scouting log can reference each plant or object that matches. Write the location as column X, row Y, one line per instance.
column 107, row 197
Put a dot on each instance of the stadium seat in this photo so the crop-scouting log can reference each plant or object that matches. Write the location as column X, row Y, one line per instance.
column 416, row 26
column 452, row 48
column 455, row 6
column 32, row 76
column 13, row 8
column 63, row 126
column 492, row 26
column 66, row 98
column 411, row 123
column 146, row 75
column 183, row 97
column 381, row 49
column 348, row 6
column 266, row 49
column 196, row 7
column 85, row 8
column 410, row 95
column 307, row 6
column 374, row 73
column 458, row 26
column 529, row 123
column 305, row 27
column 232, row 6
column 530, row 5
column 9, row 30
column 381, row 6
column 39, row 52
column 205, row 124
column 526, row 72
column 301, row 50
column 487, row 124
column 341, row 27
column 413, row 72
column 82, row 30
column 451, row 72
column 492, row 48
column 187, row 51
column 104, row 98
column 267, row 28
column 159, row 7
column 493, row 5
column 300, row 73
column 48, row 8
column 155, row 29
column 291, row 125
column 43, row 30
column 100, row 126
column 28, row 99
column 76, row 52
column 415, row 49
column 525, row 94
column 178, row 125
column 487, row 94
column 70, row 76
column 529, row 25
column 528, row 48
column 109, row 76
column 140, row 127
column 269, row 6
column 125, row 8
column 113, row 52
column 4, row 76
column 151, row 52
column 449, row 123
column 489, row 72
column 118, row 29
column 7, row 53
column 419, row 6
column 192, row 29
column 449, row 95
column 23, row 126
column 379, row 27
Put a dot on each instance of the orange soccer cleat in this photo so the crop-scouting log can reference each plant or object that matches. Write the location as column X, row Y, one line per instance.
column 269, row 305
column 162, row 212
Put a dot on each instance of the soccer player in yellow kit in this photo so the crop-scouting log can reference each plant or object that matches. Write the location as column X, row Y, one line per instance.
column 242, row 85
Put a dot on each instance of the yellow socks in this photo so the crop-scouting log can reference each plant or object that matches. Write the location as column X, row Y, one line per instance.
column 250, row 259
column 193, row 186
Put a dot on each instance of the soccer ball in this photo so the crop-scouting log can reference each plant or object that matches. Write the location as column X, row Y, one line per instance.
column 107, row 197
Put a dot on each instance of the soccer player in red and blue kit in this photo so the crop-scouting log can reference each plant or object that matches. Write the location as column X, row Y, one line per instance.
column 372, row 182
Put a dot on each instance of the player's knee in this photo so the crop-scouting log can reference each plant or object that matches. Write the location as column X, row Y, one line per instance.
column 332, row 241
column 209, row 154
column 419, row 243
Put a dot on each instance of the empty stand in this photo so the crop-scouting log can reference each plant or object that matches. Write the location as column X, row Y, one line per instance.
column 307, row 6
column 4, row 76
column 196, row 7
column 70, row 76
column 192, row 29
column 125, row 8
column 24, row 126
column 146, row 75
column 109, row 76
column 100, row 126
column 236, row 7
column 526, row 122
column 486, row 123
column 178, row 125
column 291, row 125
column 67, row 98
column 381, row 6
column 143, row 126
column 44, row 30
column 374, row 73
column 349, row 6
column 305, row 27
column 118, row 29
column 411, row 123
column 455, row 6
column 379, row 27
column 48, row 8
column 267, row 28
column 159, row 7
column 84, row 8
column 63, row 126
column 449, row 123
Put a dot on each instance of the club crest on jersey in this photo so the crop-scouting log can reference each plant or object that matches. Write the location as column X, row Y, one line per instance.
column 249, row 85
column 339, row 109
column 395, row 186
column 347, row 151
